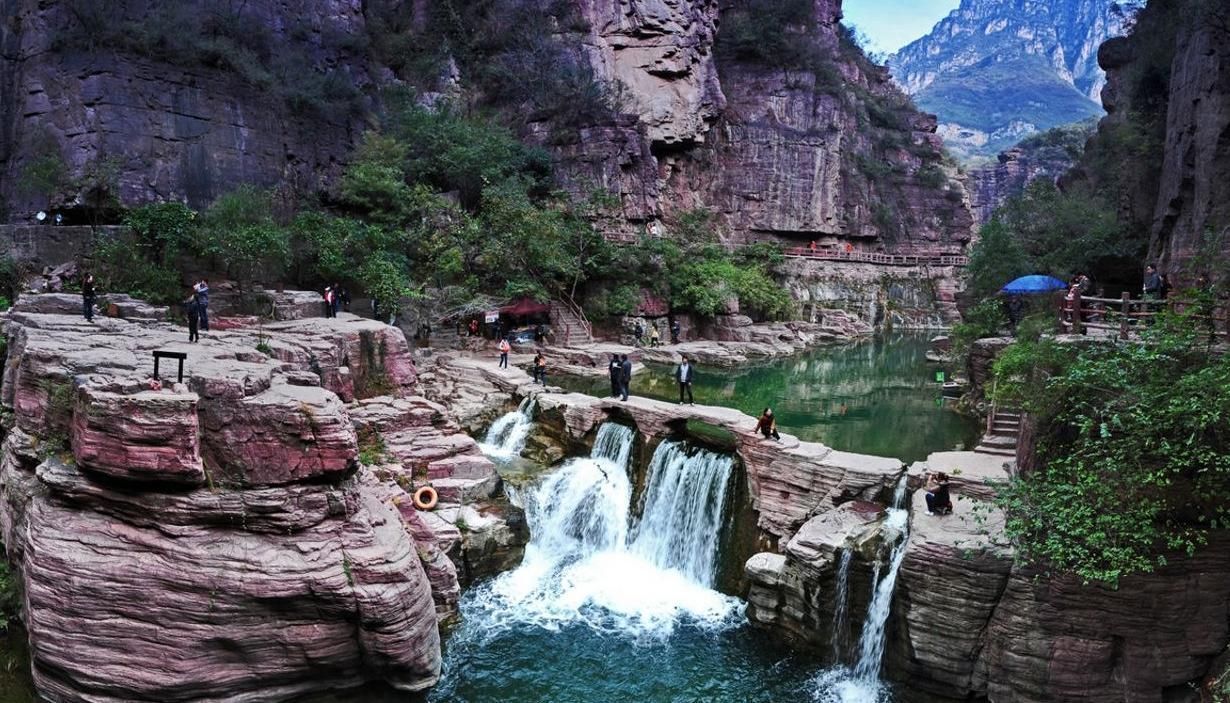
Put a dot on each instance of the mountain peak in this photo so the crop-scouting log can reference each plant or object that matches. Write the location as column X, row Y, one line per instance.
column 995, row 71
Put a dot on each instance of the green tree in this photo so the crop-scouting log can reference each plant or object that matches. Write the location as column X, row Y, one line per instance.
column 995, row 259
column 240, row 234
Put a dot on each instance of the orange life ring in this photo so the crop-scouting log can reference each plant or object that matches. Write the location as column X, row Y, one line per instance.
column 426, row 503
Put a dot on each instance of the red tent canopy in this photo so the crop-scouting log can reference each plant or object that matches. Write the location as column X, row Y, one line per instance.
column 524, row 306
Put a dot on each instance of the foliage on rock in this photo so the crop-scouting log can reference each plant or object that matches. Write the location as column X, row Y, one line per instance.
column 1134, row 450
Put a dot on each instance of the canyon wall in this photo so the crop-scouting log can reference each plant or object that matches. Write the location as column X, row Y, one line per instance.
column 1163, row 150
column 149, row 122
column 830, row 150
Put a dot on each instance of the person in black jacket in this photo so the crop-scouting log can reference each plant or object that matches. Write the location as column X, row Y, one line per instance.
column 625, row 375
column 193, row 307
column 87, row 297
column 938, row 500
column 683, row 374
column 616, row 371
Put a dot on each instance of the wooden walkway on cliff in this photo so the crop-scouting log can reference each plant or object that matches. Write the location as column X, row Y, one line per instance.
column 901, row 258
column 871, row 257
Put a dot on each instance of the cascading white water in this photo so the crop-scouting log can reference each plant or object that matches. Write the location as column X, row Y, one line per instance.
column 899, row 492
column 842, row 606
column 584, row 565
column 871, row 646
column 862, row 683
column 506, row 438
column 682, row 518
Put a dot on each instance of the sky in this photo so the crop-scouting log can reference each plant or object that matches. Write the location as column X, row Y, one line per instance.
column 891, row 24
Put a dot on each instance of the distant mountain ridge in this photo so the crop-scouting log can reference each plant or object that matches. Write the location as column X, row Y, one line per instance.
column 996, row 71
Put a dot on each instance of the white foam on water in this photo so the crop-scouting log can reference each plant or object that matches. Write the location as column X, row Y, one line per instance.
column 585, row 565
column 506, row 437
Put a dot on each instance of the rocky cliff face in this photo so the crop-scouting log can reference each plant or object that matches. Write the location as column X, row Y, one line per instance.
column 996, row 71
column 1047, row 155
column 1163, row 151
column 249, row 529
column 832, row 150
column 824, row 152
column 103, row 88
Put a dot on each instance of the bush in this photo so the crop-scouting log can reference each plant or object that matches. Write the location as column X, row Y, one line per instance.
column 1134, row 451
column 10, row 596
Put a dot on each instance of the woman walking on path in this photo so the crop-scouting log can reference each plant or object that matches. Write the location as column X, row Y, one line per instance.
column 504, row 347
column 767, row 425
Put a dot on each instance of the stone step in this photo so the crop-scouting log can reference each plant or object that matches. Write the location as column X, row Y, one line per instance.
column 1003, row 441
column 467, row 466
column 997, row 451
column 465, row 490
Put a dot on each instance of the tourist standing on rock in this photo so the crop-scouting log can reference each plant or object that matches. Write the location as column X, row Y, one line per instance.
column 616, row 372
column 683, row 374
column 337, row 298
column 654, row 337
column 474, row 327
column 540, row 369
column 767, row 425
column 675, row 332
column 639, row 331
column 201, row 291
column 504, row 347
column 625, row 375
column 328, row 296
column 938, row 500
column 193, row 307
column 87, row 297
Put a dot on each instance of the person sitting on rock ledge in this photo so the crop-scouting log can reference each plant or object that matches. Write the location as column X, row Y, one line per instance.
column 540, row 369
column 938, row 500
column 767, row 425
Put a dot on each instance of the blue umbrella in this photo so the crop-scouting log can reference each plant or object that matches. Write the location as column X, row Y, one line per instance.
column 1034, row 284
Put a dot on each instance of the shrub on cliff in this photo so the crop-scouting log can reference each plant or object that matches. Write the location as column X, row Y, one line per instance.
column 1133, row 451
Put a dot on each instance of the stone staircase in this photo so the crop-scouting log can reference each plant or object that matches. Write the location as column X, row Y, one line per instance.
column 568, row 328
column 1004, row 429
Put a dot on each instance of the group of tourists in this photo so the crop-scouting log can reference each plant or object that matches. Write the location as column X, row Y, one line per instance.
column 338, row 298
column 655, row 339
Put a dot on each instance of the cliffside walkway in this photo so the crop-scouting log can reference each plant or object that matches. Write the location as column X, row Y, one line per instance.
column 870, row 257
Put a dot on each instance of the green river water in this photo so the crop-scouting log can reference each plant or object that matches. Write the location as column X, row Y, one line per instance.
column 878, row 397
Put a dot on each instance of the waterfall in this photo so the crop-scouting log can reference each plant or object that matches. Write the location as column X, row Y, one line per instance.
column 682, row 519
column 841, row 605
column 862, row 683
column 871, row 646
column 587, row 564
column 899, row 492
column 506, row 438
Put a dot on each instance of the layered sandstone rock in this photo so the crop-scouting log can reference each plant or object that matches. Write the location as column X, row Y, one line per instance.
column 228, row 527
column 970, row 623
